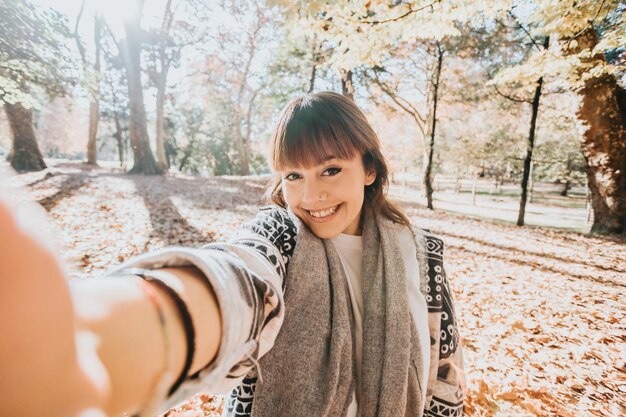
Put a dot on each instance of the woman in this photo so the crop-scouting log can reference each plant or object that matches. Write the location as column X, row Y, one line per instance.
column 327, row 303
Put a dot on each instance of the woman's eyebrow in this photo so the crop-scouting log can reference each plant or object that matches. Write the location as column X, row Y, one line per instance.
column 329, row 157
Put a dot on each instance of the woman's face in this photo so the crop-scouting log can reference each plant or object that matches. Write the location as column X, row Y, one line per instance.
column 328, row 197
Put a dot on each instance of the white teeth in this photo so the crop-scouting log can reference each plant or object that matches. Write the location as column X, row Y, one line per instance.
column 324, row 213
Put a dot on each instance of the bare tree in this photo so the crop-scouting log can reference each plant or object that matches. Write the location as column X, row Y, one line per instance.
column 434, row 93
column 245, row 114
column 92, row 74
column 426, row 118
column 164, row 62
column 316, row 58
column 234, row 75
column 144, row 162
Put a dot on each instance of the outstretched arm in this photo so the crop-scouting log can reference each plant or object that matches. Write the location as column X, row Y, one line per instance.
column 98, row 345
column 132, row 346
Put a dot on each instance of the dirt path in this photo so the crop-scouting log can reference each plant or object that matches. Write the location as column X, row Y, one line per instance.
column 542, row 312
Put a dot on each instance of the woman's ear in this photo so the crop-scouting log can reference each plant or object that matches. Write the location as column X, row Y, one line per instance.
column 370, row 178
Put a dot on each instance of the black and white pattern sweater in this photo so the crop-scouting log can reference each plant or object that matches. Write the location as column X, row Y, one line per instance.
column 248, row 276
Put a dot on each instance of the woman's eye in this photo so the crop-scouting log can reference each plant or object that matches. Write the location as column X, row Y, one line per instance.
column 292, row 176
column 332, row 171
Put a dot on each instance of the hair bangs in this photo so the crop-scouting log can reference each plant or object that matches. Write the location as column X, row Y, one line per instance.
column 310, row 137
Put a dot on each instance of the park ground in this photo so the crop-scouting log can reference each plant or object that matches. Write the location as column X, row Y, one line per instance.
column 541, row 309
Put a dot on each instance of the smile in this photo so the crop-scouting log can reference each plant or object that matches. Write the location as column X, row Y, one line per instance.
column 321, row 214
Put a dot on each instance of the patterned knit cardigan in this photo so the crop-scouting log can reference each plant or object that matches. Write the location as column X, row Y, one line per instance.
column 247, row 273
column 446, row 380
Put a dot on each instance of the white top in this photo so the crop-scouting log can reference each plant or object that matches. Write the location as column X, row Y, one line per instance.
column 350, row 250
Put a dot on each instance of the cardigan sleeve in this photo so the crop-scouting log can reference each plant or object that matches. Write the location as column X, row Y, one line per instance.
column 446, row 382
column 247, row 275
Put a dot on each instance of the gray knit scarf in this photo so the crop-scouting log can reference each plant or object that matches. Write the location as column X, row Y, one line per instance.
column 310, row 370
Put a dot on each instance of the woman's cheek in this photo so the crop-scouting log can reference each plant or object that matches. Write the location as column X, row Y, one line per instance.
column 289, row 194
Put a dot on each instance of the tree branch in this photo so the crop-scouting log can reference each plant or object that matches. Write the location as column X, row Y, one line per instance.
column 410, row 109
column 394, row 19
column 79, row 44
column 580, row 32
column 508, row 97
column 108, row 29
column 533, row 40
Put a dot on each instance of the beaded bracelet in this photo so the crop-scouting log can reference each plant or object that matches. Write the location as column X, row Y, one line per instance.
column 181, row 306
column 151, row 408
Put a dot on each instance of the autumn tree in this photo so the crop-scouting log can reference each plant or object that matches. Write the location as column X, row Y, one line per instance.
column 181, row 27
column 235, row 71
column 298, row 66
column 537, row 46
column 602, row 116
column 92, row 76
column 114, row 97
column 33, row 56
column 585, row 33
column 411, row 84
column 144, row 162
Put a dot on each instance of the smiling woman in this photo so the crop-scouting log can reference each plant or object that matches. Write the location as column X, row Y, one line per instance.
column 328, row 197
column 313, row 132
column 328, row 303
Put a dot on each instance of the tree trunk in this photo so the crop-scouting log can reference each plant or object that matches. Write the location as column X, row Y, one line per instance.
column 566, row 188
column 248, row 136
column 25, row 154
column 242, row 149
column 94, row 105
column 92, row 150
column 529, row 153
column 161, row 85
column 312, row 78
column 604, row 149
column 530, row 145
column 187, row 153
column 347, row 87
column 316, row 60
column 183, row 161
column 474, row 189
column 144, row 162
column 588, row 207
column 603, row 143
column 160, row 119
column 119, row 138
column 531, row 182
column 428, row 166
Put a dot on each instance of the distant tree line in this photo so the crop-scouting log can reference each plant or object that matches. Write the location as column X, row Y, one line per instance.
column 499, row 84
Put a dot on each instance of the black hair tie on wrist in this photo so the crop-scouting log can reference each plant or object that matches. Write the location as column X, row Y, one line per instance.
column 190, row 334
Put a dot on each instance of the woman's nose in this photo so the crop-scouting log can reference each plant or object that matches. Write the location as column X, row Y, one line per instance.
column 314, row 193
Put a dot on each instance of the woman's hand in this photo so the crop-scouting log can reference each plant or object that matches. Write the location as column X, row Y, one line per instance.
column 47, row 367
column 95, row 350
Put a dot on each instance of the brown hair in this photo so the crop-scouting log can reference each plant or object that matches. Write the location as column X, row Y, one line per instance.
column 313, row 125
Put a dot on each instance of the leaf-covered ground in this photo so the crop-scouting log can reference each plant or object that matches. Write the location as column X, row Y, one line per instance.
column 542, row 312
